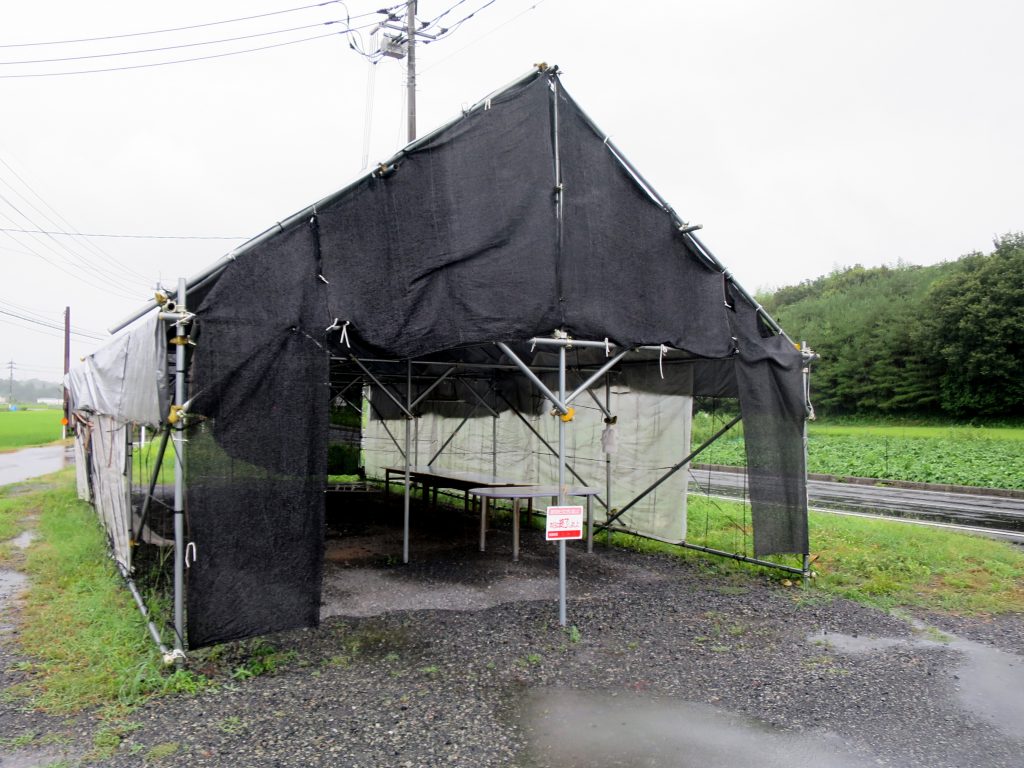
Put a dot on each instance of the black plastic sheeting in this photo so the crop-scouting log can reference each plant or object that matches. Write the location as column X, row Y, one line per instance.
column 459, row 244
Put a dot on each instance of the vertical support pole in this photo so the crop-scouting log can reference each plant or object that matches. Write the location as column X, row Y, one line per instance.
column 807, row 498
column 408, row 459
column 494, row 447
column 562, row 619
column 608, row 462
column 67, row 367
column 179, row 475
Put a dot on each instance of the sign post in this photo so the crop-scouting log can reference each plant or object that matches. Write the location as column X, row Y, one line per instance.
column 564, row 523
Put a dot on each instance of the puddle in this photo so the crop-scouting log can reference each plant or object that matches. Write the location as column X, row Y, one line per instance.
column 33, row 462
column 23, row 539
column 990, row 684
column 12, row 583
column 593, row 729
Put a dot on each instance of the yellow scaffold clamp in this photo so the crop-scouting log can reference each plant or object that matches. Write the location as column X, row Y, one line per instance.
column 569, row 415
column 177, row 413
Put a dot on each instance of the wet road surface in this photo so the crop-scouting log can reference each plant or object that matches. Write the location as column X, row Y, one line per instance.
column 18, row 466
column 948, row 507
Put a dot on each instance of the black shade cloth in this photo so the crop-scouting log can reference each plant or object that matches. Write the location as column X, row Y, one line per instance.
column 460, row 243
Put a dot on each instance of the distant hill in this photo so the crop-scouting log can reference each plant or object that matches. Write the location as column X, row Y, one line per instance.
column 30, row 390
column 946, row 339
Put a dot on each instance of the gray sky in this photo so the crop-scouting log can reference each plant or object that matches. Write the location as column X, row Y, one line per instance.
column 803, row 135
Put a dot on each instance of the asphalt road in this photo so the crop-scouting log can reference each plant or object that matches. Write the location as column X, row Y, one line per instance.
column 991, row 513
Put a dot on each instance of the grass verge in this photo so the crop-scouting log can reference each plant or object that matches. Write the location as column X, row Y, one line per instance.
column 874, row 561
column 86, row 641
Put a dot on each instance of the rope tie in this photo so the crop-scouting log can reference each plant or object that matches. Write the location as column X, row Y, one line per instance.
column 662, row 352
column 343, row 327
column 190, row 548
column 607, row 347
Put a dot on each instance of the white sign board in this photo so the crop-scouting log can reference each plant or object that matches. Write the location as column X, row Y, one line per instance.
column 564, row 523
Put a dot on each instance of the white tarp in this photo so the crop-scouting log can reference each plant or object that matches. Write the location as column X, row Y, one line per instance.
column 126, row 377
column 81, row 444
column 111, row 482
column 652, row 435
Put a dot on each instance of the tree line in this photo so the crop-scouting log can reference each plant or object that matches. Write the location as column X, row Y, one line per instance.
column 30, row 390
column 946, row 339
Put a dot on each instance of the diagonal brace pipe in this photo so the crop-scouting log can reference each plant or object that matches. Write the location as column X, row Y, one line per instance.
column 559, row 405
column 693, row 454
column 586, row 385
column 432, row 387
column 383, row 387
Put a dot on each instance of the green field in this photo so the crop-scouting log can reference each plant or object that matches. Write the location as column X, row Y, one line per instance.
column 988, row 457
column 24, row 428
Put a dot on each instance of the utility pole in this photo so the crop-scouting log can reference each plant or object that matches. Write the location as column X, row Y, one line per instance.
column 10, row 398
column 410, row 21
column 398, row 41
column 67, row 367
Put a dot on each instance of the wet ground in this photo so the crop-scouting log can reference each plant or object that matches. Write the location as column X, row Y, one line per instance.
column 457, row 660
column 24, row 464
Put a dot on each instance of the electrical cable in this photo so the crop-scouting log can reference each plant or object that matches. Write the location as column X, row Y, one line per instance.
column 168, row 47
column 175, row 61
column 135, row 237
column 190, row 27
column 434, row 20
column 139, row 278
column 87, row 270
column 53, row 326
column 52, row 318
column 56, row 325
column 478, row 38
column 454, row 27
column 85, row 279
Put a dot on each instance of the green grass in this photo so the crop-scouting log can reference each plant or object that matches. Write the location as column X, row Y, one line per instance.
column 988, row 457
column 87, row 643
column 878, row 562
column 20, row 429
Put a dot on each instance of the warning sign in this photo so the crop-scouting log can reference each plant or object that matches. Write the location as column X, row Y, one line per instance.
column 564, row 523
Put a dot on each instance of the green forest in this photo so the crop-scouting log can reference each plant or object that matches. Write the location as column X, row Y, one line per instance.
column 945, row 340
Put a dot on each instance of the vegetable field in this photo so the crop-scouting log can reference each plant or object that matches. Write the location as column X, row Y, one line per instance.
column 988, row 457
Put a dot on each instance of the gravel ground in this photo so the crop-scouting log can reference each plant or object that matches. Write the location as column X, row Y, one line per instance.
column 457, row 660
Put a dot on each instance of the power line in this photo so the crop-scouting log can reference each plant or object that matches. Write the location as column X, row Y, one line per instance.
column 178, row 61
column 52, row 326
column 184, row 29
column 21, row 309
column 85, row 270
column 42, row 332
column 480, row 37
column 455, row 26
column 59, row 328
column 135, row 237
column 168, row 47
column 139, row 277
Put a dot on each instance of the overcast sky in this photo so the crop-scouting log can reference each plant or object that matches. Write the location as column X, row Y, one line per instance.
column 804, row 135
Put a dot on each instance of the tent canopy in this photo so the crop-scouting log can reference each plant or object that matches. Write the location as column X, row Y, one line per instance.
column 514, row 221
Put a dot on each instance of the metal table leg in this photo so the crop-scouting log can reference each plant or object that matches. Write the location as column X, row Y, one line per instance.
column 515, row 530
column 483, row 524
